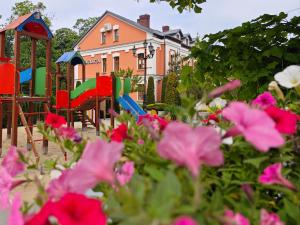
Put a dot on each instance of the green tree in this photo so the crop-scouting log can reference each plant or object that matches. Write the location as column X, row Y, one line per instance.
column 252, row 52
column 181, row 5
column 172, row 95
column 150, row 91
column 83, row 25
column 163, row 89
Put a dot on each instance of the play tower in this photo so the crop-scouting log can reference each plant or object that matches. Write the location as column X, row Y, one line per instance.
column 11, row 76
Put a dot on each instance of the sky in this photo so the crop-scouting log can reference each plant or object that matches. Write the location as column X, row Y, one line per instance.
column 217, row 15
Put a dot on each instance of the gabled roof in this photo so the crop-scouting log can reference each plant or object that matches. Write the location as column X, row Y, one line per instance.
column 71, row 57
column 31, row 22
column 187, row 36
column 131, row 22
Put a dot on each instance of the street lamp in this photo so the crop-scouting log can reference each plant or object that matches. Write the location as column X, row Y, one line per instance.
column 146, row 56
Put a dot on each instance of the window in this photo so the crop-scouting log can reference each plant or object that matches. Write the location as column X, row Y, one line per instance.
column 187, row 41
column 104, row 65
column 116, row 35
column 140, row 89
column 172, row 60
column 103, row 37
column 141, row 61
column 116, row 63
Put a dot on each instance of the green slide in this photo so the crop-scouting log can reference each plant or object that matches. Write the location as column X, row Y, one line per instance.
column 87, row 85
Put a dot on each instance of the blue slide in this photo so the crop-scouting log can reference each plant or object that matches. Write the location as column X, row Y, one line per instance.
column 130, row 105
column 25, row 76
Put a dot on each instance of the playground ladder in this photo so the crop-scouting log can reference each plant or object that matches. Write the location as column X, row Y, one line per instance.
column 28, row 130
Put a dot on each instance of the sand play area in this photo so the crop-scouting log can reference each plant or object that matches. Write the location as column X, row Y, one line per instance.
column 29, row 190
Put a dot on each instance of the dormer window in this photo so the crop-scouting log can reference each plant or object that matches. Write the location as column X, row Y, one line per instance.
column 187, row 41
column 178, row 36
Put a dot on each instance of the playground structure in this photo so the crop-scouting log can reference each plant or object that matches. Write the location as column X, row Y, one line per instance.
column 32, row 26
column 87, row 96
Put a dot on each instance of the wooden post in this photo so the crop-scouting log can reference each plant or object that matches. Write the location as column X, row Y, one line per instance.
column 1, row 126
column 2, row 44
column 9, row 119
column 68, row 76
column 32, row 89
column 97, row 115
column 83, row 111
column 15, row 109
column 48, row 91
column 112, row 100
column 57, row 83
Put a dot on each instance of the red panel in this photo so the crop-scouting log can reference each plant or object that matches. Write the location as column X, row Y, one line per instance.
column 3, row 59
column 81, row 99
column 104, row 86
column 62, row 99
column 36, row 28
column 7, row 72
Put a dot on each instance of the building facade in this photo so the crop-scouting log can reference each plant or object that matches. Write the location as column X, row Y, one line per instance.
column 107, row 47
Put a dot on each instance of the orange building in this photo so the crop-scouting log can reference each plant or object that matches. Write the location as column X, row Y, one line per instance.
column 108, row 45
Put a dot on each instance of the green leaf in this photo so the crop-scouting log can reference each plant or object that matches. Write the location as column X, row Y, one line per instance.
column 256, row 161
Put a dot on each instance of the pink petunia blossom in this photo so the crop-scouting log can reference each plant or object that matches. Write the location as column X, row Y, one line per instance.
column 157, row 123
column 267, row 218
column 273, row 175
column 15, row 216
column 235, row 218
column 264, row 100
column 185, row 220
column 69, row 133
column 191, row 147
column 286, row 121
column 230, row 86
column 126, row 172
column 96, row 165
column 6, row 182
column 255, row 125
column 12, row 162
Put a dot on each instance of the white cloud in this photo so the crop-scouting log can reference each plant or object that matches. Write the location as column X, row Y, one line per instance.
column 217, row 14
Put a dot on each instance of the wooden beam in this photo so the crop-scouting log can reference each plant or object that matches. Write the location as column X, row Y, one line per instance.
column 1, row 126
column 69, row 93
column 57, row 82
column 97, row 113
column 33, row 66
column 15, row 109
column 83, row 73
column 34, row 35
column 2, row 44
column 112, row 100
column 48, row 70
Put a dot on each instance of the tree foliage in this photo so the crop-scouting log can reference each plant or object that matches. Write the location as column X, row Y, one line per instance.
column 172, row 95
column 252, row 52
column 181, row 5
column 163, row 88
column 83, row 25
column 150, row 91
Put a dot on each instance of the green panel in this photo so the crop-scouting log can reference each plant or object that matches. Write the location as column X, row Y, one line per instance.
column 127, row 86
column 87, row 85
column 40, row 81
column 118, row 87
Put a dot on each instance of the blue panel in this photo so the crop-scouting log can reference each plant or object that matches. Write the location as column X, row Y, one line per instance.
column 134, row 105
column 25, row 75
column 71, row 57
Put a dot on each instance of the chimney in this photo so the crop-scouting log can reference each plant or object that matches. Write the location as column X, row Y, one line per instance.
column 165, row 28
column 144, row 20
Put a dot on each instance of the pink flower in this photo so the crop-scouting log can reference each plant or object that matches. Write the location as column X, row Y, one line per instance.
column 272, row 175
column 96, row 165
column 286, row 122
column 12, row 162
column 255, row 125
column 157, row 123
column 6, row 183
column 225, row 88
column 141, row 142
column 264, row 100
column 269, row 218
column 191, row 147
column 68, row 133
column 235, row 218
column 15, row 216
column 126, row 172
column 185, row 220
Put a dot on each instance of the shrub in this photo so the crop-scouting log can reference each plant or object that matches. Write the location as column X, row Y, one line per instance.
column 150, row 91
column 163, row 89
column 172, row 95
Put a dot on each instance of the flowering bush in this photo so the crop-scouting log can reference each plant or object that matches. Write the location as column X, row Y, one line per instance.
column 160, row 172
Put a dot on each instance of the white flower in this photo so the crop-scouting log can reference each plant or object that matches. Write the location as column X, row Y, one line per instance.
column 200, row 106
column 226, row 141
column 218, row 103
column 290, row 77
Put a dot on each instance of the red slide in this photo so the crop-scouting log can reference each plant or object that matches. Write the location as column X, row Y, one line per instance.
column 87, row 99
